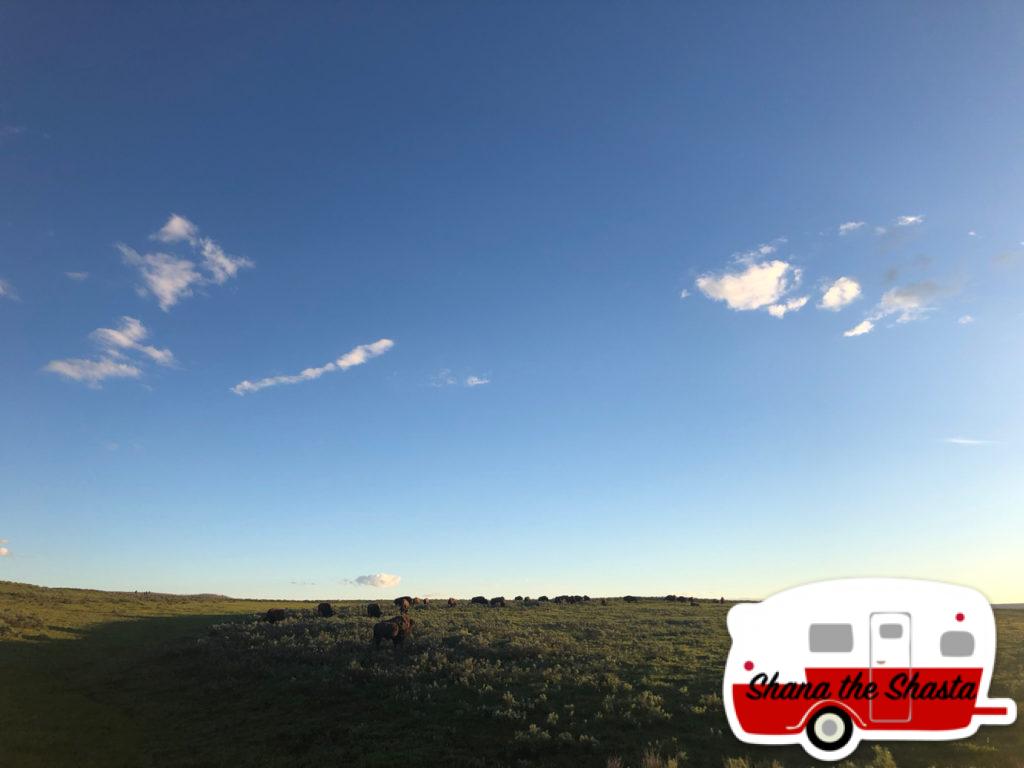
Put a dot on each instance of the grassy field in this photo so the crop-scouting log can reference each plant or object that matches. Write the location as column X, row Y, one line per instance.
column 137, row 679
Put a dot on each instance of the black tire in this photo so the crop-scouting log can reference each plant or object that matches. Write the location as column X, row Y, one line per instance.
column 830, row 729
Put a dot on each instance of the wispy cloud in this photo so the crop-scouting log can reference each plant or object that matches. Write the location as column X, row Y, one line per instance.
column 7, row 290
column 864, row 326
column 115, row 344
column 4, row 551
column 378, row 580
column 176, row 229
column 171, row 278
column 445, row 378
column 908, row 303
column 78, row 277
column 684, row 294
column 356, row 356
column 839, row 294
column 909, row 221
column 965, row 319
column 968, row 441
column 759, row 285
column 850, row 226
column 791, row 305
column 129, row 337
column 92, row 372
column 167, row 277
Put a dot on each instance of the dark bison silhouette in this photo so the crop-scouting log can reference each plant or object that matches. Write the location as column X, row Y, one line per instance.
column 603, row 601
column 373, row 611
column 275, row 615
column 395, row 629
column 325, row 610
column 542, row 599
column 497, row 602
column 406, row 598
column 479, row 600
column 631, row 599
column 451, row 602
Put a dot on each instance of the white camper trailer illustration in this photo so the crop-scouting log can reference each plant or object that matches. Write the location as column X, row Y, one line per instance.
column 828, row 664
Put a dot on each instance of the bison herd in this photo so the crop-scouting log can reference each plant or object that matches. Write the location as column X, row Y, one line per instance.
column 397, row 628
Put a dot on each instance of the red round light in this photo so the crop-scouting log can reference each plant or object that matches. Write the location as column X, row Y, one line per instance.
column 748, row 665
column 959, row 617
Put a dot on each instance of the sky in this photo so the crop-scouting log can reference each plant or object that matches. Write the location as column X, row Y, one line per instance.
column 357, row 300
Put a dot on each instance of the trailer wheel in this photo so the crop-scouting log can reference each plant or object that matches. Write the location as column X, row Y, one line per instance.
column 830, row 729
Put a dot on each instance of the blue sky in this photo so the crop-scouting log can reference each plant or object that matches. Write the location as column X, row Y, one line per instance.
column 568, row 282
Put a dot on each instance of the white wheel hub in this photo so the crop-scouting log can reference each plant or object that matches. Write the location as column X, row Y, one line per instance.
column 829, row 728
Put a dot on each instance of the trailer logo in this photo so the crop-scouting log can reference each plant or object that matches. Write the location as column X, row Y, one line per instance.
column 828, row 664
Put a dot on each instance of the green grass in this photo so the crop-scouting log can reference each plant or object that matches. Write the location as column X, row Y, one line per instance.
column 124, row 679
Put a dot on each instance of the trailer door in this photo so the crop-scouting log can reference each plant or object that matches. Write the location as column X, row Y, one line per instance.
column 890, row 656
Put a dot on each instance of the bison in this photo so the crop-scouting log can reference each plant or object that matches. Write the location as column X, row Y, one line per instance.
column 603, row 601
column 451, row 602
column 373, row 611
column 399, row 600
column 325, row 610
column 497, row 602
column 670, row 598
column 275, row 615
column 542, row 599
column 395, row 629
column 479, row 600
column 631, row 599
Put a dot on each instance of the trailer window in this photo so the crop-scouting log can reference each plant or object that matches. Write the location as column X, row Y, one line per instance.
column 956, row 644
column 890, row 631
column 831, row 638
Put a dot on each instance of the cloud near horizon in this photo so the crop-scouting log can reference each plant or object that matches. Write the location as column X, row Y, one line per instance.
column 4, row 551
column 967, row 441
column 378, row 580
column 171, row 278
column 355, row 356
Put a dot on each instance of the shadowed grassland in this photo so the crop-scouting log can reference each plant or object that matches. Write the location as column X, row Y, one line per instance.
column 123, row 679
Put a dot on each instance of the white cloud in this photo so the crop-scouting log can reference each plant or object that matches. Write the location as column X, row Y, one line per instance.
column 684, row 294
column 129, row 336
column 793, row 305
column 92, row 372
column 176, row 229
column 221, row 266
column 171, row 278
column 965, row 319
column 910, row 302
column 477, row 381
column 378, row 580
column 4, row 551
column 967, row 441
column 77, row 276
column 909, row 221
column 865, row 326
column 972, row 233
column 7, row 290
column 850, row 226
column 842, row 292
column 758, row 285
column 112, row 363
column 356, row 356
column 166, row 277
